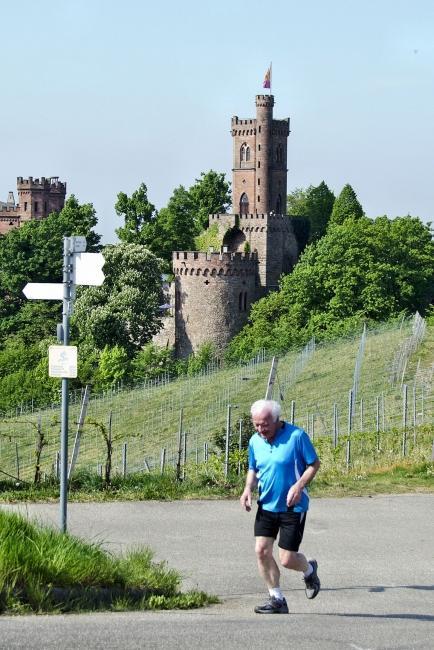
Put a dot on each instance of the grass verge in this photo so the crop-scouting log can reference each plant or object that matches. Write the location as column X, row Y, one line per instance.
column 208, row 482
column 42, row 570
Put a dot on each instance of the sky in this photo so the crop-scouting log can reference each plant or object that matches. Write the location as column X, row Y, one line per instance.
column 108, row 94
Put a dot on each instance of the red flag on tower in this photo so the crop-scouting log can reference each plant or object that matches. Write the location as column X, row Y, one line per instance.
column 267, row 78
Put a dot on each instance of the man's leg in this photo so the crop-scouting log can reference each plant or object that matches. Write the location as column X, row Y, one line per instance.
column 291, row 535
column 267, row 566
column 269, row 571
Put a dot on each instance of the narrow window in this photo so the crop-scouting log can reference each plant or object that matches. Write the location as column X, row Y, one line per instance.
column 245, row 301
column 259, row 130
column 259, row 181
column 36, row 206
column 240, row 301
column 259, row 198
column 25, row 206
column 45, row 207
column 242, row 153
column 259, row 164
column 247, row 154
column 244, row 204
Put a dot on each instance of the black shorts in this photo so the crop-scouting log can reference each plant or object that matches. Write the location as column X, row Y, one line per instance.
column 289, row 524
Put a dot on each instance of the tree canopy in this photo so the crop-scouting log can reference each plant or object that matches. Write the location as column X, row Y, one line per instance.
column 124, row 310
column 176, row 225
column 361, row 269
column 34, row 253
column 314, row 204
column 139, row 216
column 346, row 205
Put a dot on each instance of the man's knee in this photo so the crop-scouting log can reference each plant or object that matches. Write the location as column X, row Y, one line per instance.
column 288, row 559
column 264, row 549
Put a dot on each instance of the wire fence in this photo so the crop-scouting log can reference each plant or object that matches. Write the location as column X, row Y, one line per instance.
column 164, row 422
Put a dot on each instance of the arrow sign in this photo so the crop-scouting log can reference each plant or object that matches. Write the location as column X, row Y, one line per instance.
column 43, row 291
column 88, row 269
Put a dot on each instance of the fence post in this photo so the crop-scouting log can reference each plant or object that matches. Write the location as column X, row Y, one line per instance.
column 348, row 459
column 124, row 459
column 17, row 460
column 205, row 452
column 228, row 433
column 312, row 426
column 292, row 411
column 383, row 417
column 163, row 460
column 146, row 465
column 404, row 418
column 57, row 464
column 377, row 416
column 350, row 410
column 335, row 425
column 178, row 461
column 184, row 455
column 404, row 405
column 361, row 414
column 240, row 446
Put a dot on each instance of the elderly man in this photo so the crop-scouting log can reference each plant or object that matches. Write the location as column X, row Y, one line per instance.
column 282, row 462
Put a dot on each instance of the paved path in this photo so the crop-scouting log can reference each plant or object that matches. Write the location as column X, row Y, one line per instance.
column 375, row 562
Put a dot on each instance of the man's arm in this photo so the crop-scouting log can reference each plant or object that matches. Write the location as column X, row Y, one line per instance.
column 246, row 497
column 295, row 492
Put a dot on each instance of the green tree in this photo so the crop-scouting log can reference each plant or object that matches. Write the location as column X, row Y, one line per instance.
column 124, row 310
column 210, row 195
column 139, row 216
column 360, row 270
column 176, row 226
column 314, row 204
column 113, row 366
column 346, row 205
column 34, row 253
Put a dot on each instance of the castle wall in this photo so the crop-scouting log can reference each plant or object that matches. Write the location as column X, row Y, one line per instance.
column 36, row 200
column 213, row 295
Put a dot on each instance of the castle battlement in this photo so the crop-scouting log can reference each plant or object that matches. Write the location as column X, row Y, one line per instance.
column 235, row 120
column 10, row 208
column 51, row 183
column 267, row 216
column 196, row 257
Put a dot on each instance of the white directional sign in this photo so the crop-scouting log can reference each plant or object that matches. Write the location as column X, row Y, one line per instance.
column 62, row 361
column 43, row 291
column 88, row 269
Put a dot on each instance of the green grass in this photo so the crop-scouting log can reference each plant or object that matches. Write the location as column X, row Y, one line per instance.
column 42, row 570
column 147, row 418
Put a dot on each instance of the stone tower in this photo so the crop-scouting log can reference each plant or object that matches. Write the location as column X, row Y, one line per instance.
column 212, row 292
column 36, row 200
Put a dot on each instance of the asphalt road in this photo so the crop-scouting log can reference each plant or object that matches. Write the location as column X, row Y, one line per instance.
column 375, row 563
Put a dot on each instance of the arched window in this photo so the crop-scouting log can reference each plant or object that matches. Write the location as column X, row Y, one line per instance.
column 244, row 153
column 247, row 154
column 279, row 204
column 244, row 204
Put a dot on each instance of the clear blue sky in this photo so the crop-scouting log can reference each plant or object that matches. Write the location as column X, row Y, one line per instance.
column 107, row 94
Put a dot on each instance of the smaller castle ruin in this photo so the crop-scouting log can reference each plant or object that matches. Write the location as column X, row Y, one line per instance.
column 212, row 292
column 37, row 198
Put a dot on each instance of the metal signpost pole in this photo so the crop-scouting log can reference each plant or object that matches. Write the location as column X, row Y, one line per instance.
column 65, row 395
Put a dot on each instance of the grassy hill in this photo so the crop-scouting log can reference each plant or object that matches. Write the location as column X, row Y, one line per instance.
column 315, row 383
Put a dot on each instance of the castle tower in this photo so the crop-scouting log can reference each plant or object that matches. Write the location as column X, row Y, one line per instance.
column 213, row 295
column 213, row 292
column 259, row 173
column 38, row 198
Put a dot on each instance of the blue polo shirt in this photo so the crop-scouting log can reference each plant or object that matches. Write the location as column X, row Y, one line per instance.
column 279, row 464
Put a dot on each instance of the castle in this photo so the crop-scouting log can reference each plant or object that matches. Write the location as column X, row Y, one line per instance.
column 212, row 292
column 36, row 200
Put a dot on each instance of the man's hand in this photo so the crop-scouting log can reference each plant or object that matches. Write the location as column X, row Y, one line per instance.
column 246, row 499
column 294, row 495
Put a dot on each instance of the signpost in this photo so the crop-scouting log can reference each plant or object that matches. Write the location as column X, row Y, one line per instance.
column 79, row 268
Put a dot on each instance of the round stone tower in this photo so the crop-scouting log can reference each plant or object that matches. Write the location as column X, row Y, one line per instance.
column 264, row 121
column 213, row 295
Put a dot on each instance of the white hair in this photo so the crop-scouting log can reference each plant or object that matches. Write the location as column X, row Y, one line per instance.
column 266, row 406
